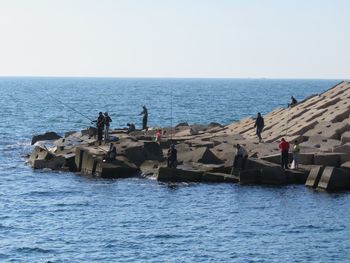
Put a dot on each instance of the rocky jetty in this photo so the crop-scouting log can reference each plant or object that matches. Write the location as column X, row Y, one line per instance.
column 321, row 123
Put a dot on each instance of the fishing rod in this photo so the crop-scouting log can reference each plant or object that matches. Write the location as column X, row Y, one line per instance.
column 68, row 106
column 171, row 113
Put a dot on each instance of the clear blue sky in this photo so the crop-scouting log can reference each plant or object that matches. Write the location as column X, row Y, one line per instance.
column 175, row 38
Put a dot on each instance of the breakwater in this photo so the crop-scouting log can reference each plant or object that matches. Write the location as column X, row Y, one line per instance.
column 320, row 123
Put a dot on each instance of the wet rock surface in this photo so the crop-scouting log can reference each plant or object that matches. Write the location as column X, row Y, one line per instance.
column 320, row 123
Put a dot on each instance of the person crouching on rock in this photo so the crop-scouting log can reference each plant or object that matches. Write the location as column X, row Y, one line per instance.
column 111, row 155
column 284, row 147
column 131, row 127
column 172, row 156
column 241, row 156
column 293, row 101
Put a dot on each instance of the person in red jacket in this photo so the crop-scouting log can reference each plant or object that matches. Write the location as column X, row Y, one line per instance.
column 284, row 147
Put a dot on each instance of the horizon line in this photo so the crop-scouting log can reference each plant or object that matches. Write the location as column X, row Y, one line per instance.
column 167, row 77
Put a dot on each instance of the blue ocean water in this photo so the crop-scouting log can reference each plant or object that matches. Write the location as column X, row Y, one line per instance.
column 64, row 217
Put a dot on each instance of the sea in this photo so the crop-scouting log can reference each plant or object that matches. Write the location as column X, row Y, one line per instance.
column 50, row 216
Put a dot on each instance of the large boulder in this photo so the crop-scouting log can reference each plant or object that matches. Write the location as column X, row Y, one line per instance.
column 48, row 136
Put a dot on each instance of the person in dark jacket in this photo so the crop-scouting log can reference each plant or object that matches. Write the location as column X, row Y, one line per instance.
column 284, row 147
column 259, row 124
column 100, row 124
column 172, row 156
column 108, row 120
column 145, row 118
column 293, row 102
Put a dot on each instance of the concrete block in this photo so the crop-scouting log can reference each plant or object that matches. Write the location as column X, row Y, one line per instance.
column 119, row 168
column 255, row 163
column 273, row 176
column 346, row 166
column 55, row 163
column 327, row 159
column 199, row 143
column 219, row 178
column 345, row 137
column 166, row 174
column 296, row 176
column 334, row 179
column 48, row 136
column 344, row 150
column 314, row 176
column 199, row 155
column 79, row 153
column 39, row 153
column 329, row 130
column 306, row 158
column 249, row 177
column 336, row 114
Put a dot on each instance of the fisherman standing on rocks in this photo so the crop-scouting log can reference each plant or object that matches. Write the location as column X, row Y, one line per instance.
column 108, row 120
column 241, row 156
column 284, row 147
column 172, row 156
column 259, row 124
column 100, row 124
column 145, row 117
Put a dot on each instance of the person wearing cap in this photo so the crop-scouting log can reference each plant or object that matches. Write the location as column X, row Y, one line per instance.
column 284, row 147
column 108, row 120
column 145, row 117
column 172, row 156
column 241, row 156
